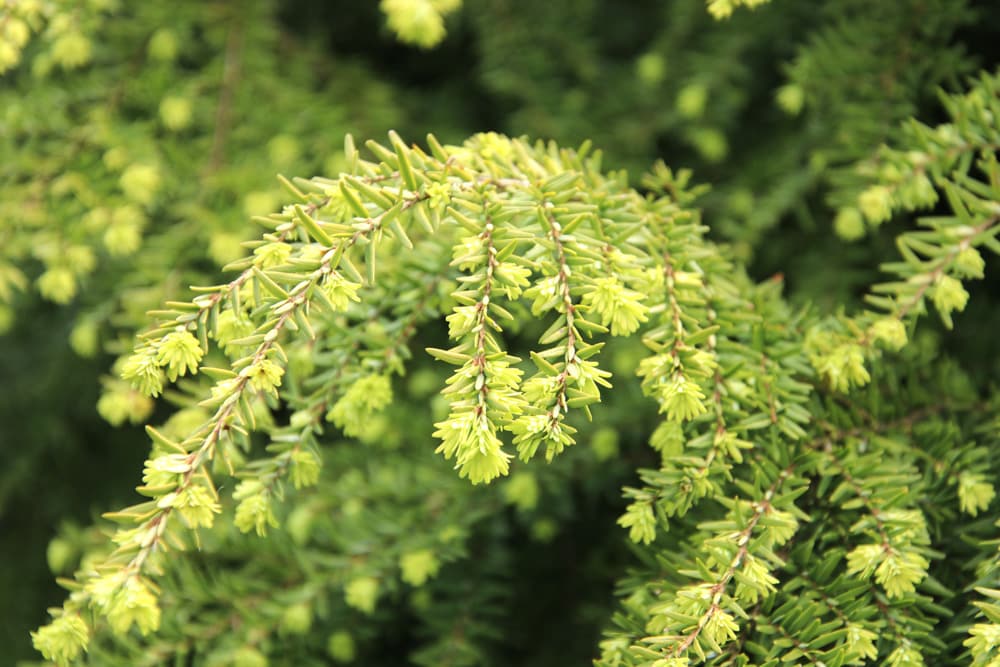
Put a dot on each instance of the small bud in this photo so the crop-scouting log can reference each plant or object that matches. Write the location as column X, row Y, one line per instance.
column 341, row 647
column 58, row 284
column 16, row 31
column 264, row 376
column 305, row 468
column 175, row 112
column 254, row 511
column 362, row 594
column 163, row 45
column 299, row 524
column 367, row 396
column 296, row 620
column 418, row 566
column 62, row 640
column 843, row 367
column 140, row 183
column 71, row 50
column 861, row 641
column 83, row 338
column 974, row 493
column 59, row 554
column 521, row 490
column 889, row 331
column 260, row 202
column 791, row 98
column 651, row 68
column 271, row 254
column 144, row 372
column 969, row 263
column 283, row 150
column 417, row 22
column 900, row 572
column 224, row 248
column 640, row 521
column 721, row 627
column 249, row 657
column 949, row 295
column 197, row 506
column 668, row 439
column 544, row 529
column 179, row 352
column 461, row 321
column 621, row 308
column 849, row 224
column 122, row 238
column 134, row 603
column 876, row 204
column 439, row 196
column 691, row 100
column 710, row 143
column 115, row 158
column 919, row 192
column 605, row 443
column 681, row 399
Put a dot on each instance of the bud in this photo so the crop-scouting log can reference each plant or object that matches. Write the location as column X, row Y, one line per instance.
column 83, row 338
column 140, row 183
column 283, row 150
column 224, row 248
column 122, row 239
column 974, row 493
column 296, row 620
column 605, row 443
column 175, row 112
column 59, row 554
column 969, row 263
column 416, row 22
column 260, row 202
column 949, row 295
column 521, row 490
column 919, row 192
column 651, row 68
column 62, row 640
column 249, row 657
column 340, row 646
column 889, row 331
column 362, row 594
column 876, row 204
column 419, row 566
column 710, row 143
column 57, row 284
column 791, row 98
column 691, row 100
column 163, row 45
column 115, row 158
column 849, row 225
column 71, row 50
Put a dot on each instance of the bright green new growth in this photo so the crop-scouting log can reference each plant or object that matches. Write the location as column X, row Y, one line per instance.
column 722, row 9
column 419, row 22
column 491, row 234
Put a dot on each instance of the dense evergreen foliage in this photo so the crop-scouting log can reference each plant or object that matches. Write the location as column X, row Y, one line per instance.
column 697, row 371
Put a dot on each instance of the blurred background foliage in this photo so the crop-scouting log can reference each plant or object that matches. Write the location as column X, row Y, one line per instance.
column 138, row 138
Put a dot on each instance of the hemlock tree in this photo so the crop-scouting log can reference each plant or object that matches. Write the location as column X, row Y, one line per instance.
column 353, row 469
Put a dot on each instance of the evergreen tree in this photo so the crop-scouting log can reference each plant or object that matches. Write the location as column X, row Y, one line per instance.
column 736, row 471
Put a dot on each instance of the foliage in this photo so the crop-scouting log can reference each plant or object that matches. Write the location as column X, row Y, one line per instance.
column 419, row 22
column 350, row 468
